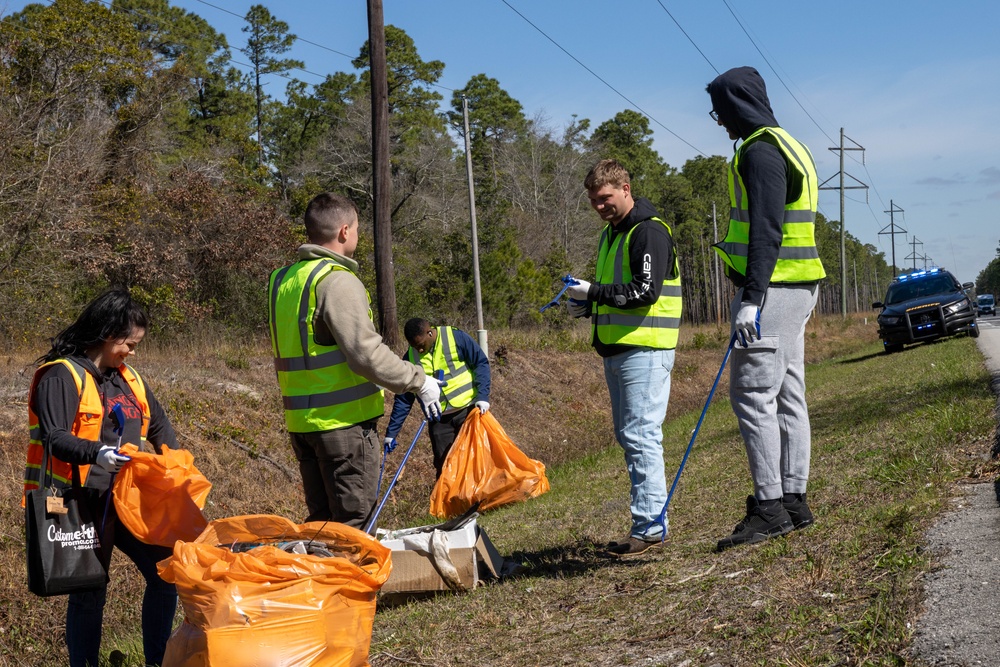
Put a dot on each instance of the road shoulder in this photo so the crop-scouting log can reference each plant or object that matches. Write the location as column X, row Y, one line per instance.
column 961, row 623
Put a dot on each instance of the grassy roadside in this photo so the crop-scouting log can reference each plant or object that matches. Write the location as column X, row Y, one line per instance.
column 834, row 594
column 892, row 435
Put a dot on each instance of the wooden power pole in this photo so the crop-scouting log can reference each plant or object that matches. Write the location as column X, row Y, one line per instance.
column 843, row 226
column 385, row 282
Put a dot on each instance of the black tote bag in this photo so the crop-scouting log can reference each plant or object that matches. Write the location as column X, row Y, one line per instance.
column 68, row 551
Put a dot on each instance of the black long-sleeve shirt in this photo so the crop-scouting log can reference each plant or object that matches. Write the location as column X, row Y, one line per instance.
column 651, row 258
column 56, row 402
column 765, row 176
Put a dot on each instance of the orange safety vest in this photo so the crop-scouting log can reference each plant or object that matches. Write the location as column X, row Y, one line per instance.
column 87, row 425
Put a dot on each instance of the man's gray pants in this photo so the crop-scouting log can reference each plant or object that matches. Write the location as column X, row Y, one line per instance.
column 767, row 390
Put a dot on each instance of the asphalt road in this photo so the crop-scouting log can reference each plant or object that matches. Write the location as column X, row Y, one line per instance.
column 961, row 624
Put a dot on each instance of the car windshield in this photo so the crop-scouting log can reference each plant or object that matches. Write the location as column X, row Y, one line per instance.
column 986, row 300
column 912, row 289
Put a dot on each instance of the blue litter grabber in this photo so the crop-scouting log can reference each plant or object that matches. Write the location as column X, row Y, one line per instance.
column 661, row 519
column 388, row 489
column 568, row 280
column 439, row 376
column 118, row 426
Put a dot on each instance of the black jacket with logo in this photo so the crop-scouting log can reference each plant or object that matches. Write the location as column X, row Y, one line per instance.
column 651, row 258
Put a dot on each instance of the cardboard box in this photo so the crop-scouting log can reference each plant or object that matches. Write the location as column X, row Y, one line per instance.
column 414, row 566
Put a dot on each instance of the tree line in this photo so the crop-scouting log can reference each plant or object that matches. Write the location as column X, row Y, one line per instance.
column 988, row 280
column 134, row 151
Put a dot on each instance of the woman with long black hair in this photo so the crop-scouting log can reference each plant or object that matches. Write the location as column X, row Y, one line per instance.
column 77, row 385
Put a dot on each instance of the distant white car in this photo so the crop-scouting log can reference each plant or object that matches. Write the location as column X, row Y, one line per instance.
column 986, row 305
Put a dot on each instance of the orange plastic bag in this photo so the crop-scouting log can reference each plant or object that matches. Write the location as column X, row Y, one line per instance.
column 159, row 496
column 265, row 607
column 485, row 466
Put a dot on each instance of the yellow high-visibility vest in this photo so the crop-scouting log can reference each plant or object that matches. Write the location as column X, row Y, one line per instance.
column 655, row 325
column 319, row 391
column 87, row 424
column 798, row 257
column 460, row 389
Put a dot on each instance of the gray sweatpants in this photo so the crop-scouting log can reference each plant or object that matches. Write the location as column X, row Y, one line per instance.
column 767, row 390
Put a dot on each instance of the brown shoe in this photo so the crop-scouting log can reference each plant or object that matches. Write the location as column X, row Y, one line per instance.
column 632, row 546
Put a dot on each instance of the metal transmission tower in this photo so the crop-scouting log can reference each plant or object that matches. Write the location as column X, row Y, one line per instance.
column 843, row 227
column 893, row 230
column 913, row 253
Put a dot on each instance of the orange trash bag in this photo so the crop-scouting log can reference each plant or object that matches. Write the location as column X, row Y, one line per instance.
column 159, row 497
column 252, row 598
column 485, row 466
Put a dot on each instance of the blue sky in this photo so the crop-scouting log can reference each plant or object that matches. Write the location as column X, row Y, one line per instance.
column 914, row 83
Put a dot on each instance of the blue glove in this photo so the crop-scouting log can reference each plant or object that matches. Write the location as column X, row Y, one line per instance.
column 747, row 324
column 389, row 444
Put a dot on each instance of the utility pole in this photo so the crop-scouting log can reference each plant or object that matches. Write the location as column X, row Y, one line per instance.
column 843, row 226
column 716, row 269
column 893, row 230
column 857, row 305
column 481, row 332
column 385, row 281
column 913, row 252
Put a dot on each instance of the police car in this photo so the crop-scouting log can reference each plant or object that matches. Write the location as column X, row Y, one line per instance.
column 923, row 306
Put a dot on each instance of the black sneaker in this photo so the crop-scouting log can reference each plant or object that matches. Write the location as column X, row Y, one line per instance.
column 798, row 510
column 760, row 523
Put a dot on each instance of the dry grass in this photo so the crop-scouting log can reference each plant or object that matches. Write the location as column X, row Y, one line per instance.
column 549, row 394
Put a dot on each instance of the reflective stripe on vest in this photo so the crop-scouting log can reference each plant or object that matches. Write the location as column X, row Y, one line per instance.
column 655, row 325
column 798, row 257
column 86, row 425
column 460, row 389
column 319, row 391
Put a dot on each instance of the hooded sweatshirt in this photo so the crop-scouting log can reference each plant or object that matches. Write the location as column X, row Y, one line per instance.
column 651, row 256
column 739, row 97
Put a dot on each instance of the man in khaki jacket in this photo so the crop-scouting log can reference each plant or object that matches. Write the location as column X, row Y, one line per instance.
column 332, row 365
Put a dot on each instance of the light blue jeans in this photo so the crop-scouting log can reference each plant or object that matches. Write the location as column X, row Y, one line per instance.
column 639, row 384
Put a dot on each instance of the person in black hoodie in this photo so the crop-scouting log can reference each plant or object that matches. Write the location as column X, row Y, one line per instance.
column 635, row 309
column 85, row 372
column 771, row 256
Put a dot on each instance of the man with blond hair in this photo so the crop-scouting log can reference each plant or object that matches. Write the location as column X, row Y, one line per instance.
column 635, row 308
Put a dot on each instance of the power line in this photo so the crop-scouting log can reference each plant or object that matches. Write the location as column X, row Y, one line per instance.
column 872, row 181
column 311, row 43
column 596, row 76
column 284, row 75
column 820, row 127
column 301, row 39
column 804, row 110
column 681, row 28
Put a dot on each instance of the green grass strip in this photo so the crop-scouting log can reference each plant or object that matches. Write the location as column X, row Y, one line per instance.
column 891, row 436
